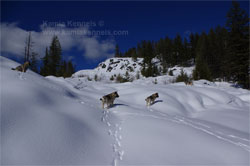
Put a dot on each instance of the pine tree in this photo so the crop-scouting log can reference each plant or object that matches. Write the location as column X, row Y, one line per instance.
column 201, row 70
column 164, row 68
column 168, row 51
column 186, row 53
column 159, row 48
column 67, row 69
column 70, row 69
column 183, row 77
column 221, row 44
column 212, row 53
column 64, row 69
column 55, row 53
column 217, row 40
column 178, row 50
column 45, row 70
column 238, row 44
column 193, row 44
column 117, row 51
column 147, row 53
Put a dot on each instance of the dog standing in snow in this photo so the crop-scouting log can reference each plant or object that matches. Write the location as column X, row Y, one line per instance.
column 109, row 99
column 23, row 67
column 189, row 83
column 151, row 99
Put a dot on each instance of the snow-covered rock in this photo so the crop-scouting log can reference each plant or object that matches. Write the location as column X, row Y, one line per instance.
column 56, row 121
column 112, row 67
column 115, row 66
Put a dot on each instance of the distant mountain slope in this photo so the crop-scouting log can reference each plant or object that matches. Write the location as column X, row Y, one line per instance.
column 115, row 66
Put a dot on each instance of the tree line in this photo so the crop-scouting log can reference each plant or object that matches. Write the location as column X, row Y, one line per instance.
column 52, row 62
column 222, row 53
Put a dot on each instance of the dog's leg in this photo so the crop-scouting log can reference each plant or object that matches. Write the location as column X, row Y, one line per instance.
column 112, row 102
column 153, row 101
column 102, row 104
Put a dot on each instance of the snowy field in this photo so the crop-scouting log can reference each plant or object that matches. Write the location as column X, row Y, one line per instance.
column 56, row 121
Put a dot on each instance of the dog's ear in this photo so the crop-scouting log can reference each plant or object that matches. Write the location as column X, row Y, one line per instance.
column 117, row 94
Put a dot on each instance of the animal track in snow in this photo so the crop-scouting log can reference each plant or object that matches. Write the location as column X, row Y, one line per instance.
column 207, row 129
column 236, row 140
column 108, row 124
column 114, row 130
column 20, row 75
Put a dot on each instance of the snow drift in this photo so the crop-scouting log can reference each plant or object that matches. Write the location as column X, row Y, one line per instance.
column 56, row 121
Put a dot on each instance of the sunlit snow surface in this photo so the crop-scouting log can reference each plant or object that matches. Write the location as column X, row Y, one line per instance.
column 56, row 121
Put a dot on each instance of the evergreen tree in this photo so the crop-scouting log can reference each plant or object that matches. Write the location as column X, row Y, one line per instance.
column 183, row 77
column 159, row 48
column 238, row 44
column 70, row 69
column 212, row 53
column 64, row 69
column 221, row 70
column 186, row 53
column 216, row 50
column 44, row 71
column 117, row 51
column 164, row 67
column 131, row 53
column 55, row 53
column 193, row 44
column 168, row 51
column 147, row 54
column 201, row 70
column 67, row 69
column 178, row 50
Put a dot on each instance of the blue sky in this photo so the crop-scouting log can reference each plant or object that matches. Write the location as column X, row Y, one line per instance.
column 138, row 20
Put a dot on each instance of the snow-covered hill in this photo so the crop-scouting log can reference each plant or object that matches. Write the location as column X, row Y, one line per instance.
column 114, row 66
column 56, row 121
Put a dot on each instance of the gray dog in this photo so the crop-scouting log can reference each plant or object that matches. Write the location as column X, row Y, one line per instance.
column 151, row 99
column 109, row 99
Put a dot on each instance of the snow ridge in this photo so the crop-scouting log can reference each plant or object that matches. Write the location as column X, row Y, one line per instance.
column 57, row 121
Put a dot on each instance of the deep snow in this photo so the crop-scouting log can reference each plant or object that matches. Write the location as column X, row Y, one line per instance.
column 55, row 121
